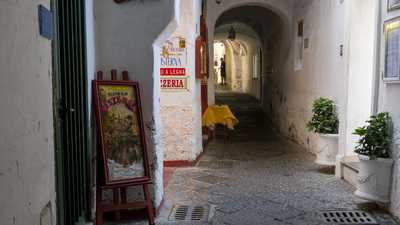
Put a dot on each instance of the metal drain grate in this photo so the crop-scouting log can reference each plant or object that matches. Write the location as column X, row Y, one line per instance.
column 211, row 179
column 221, row 164
column 347, row 217
column 181, row 212
column 198, row 213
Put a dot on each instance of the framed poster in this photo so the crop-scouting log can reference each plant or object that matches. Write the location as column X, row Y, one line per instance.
column 120, row 125
column 393, row 5
column 392, row 50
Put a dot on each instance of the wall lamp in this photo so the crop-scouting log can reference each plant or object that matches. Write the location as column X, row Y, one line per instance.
column 232, row 34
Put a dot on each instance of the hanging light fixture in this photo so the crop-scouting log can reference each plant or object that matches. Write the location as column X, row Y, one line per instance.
column 232, row 34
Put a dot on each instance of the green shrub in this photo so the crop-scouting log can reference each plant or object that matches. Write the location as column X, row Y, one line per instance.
column 375, row 138
column 324, row 119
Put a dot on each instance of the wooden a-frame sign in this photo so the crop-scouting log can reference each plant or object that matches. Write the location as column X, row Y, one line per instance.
column 121, row 132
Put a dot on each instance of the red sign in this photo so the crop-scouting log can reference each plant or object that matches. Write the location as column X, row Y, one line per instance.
column 173, row 72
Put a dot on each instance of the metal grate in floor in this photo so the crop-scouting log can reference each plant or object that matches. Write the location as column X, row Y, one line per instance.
column 347, row 217
column 197, row 213
column 221, row 164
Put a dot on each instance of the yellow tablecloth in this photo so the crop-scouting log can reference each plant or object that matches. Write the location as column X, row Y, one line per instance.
column 216, row 114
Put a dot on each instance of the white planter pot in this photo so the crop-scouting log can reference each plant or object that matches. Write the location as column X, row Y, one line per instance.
column 374, row 179
column 327, row 149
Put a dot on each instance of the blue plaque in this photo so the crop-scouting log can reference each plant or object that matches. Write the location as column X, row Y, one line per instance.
column 45, row 22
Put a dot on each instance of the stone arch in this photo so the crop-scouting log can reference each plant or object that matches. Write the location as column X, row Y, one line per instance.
column 280, row 8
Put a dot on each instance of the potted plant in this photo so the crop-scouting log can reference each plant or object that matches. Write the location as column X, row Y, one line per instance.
column 375, row 162
column 325, row 123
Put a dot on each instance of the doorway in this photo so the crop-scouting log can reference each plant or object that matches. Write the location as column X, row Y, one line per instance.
column 219, row 57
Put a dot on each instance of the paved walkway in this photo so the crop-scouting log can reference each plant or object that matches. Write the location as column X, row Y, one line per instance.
column 258, row 178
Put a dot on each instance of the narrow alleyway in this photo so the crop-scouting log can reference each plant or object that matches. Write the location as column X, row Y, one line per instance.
column 259, row 178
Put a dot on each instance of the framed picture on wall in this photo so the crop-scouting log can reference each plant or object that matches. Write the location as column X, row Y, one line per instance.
column 392, row 50
column 393, row 5
column 122, row 138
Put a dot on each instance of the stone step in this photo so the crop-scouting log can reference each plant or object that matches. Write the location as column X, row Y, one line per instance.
column 350, row 172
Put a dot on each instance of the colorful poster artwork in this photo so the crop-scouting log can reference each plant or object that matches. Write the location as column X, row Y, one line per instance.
column 121, row 132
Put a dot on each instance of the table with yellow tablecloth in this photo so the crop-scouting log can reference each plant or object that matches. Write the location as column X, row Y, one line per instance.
column 219, row 114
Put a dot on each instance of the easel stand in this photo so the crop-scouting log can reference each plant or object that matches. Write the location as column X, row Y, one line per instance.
column 120, row 202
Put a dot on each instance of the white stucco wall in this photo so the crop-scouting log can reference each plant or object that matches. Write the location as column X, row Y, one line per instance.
column 346, row 79
column 125, row 42
column 290, row 92
column 27, row 171
column 388, row 96
column 181, row 109
column 361, row 41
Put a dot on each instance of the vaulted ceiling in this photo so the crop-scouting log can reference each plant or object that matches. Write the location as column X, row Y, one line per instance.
column 262, row 20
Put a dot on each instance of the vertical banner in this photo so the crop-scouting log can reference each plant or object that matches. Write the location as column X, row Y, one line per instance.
column 173, row 70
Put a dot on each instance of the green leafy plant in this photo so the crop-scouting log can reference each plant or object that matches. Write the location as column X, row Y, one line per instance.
column 324, row 119
column 375, row 138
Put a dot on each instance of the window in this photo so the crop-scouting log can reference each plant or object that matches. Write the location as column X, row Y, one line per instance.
column 298, row 64
column 392, row 50
column 257, row 64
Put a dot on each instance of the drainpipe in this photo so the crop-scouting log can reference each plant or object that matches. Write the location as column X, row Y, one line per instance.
column 377, row 65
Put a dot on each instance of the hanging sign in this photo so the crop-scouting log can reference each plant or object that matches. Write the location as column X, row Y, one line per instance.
column 120, row 123
column 173, row 63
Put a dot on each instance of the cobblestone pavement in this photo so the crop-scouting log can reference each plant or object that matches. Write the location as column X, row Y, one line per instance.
column 259, row 178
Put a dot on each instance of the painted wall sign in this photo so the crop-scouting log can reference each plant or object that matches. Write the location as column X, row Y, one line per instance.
column 174, row 83
column 173, row 63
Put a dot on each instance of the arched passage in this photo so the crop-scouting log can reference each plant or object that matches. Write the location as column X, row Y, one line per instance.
column 242, row 58
column 256, row 45
column 258, row 24
column 306, row 54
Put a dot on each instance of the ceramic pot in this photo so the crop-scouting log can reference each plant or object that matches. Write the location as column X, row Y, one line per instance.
column 374, row 179
column 327, row 149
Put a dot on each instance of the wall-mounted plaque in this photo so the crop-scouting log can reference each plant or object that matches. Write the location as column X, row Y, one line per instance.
column 122, row 138
column 393, row 4
column 392, row 50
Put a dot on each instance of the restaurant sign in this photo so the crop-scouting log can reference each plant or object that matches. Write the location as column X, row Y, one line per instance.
column 173, row 63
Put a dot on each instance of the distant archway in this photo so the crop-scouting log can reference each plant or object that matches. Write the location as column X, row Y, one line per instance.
column 256, row 24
